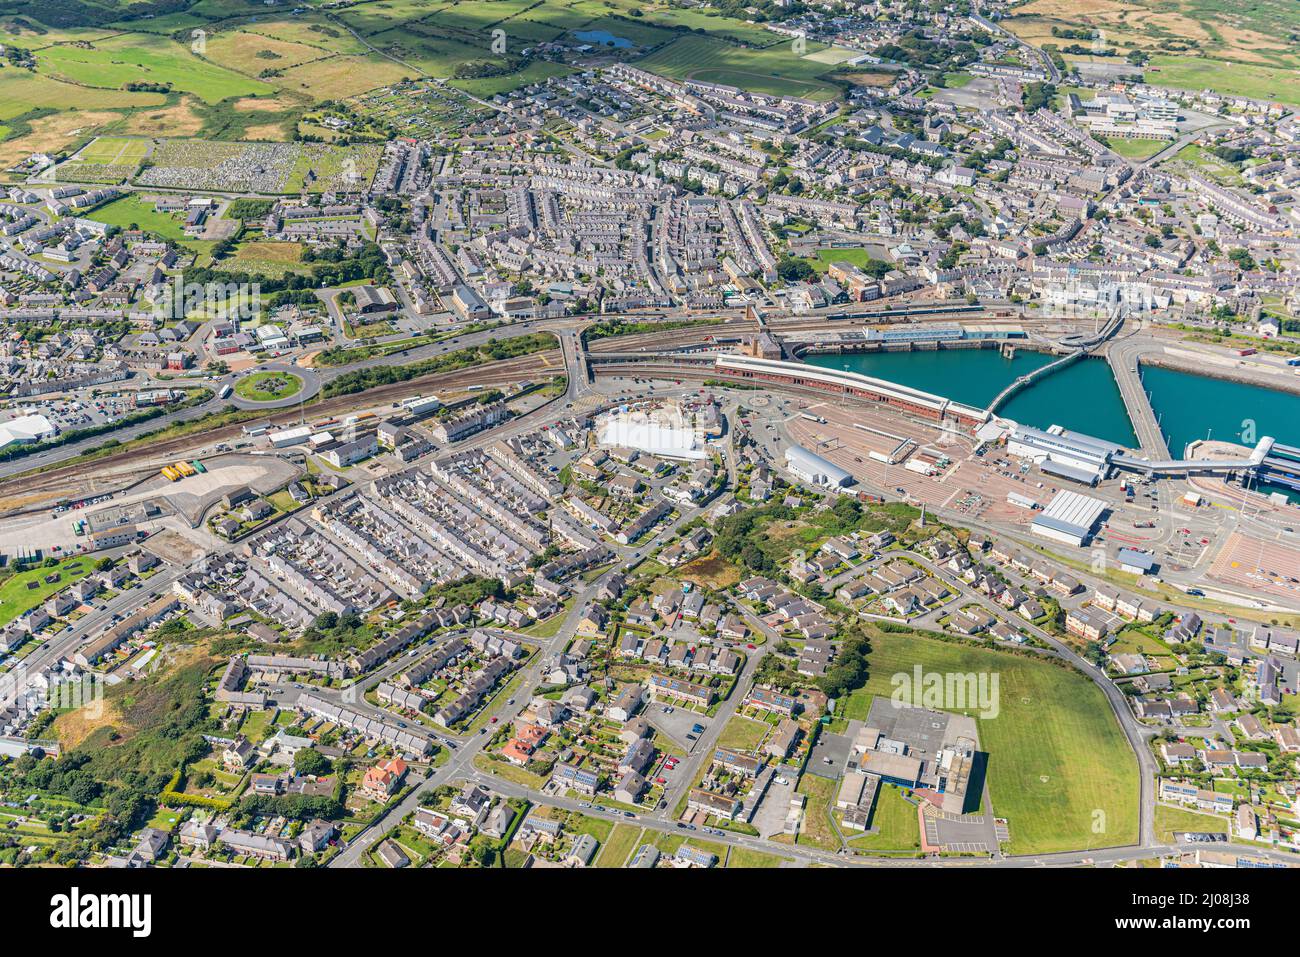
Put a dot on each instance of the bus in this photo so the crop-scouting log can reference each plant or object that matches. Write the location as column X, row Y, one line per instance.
column 171, row 474
column 225, row 391
column 199, row 466
column 184, row 468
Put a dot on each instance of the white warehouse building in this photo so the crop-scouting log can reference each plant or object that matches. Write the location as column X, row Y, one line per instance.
column 811, row 467
column 1068, row 518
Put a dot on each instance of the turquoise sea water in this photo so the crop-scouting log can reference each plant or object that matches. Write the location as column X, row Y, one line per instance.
column 1082, row 397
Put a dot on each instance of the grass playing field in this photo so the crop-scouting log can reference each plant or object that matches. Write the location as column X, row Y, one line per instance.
column 133, row 209
column 1059, row 768
column 1135, row 148
column 1241, row 79
column 114, row 151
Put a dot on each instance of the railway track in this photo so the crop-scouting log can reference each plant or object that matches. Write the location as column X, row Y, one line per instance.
column 502, row 372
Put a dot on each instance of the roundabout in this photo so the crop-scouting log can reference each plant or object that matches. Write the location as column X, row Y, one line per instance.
column 274, row 386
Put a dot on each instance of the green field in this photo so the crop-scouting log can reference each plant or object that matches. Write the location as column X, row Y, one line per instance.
column 816, row 830
column 744, row 857
column 266, row 258
column 1208, row 164
column 133, row 210
column 1223, row 76
column 114, row 151
column 774, row 71
column 618, row 846
column 537, row 71
column 742, row 734
column 1136, row 149
column 1058, row 764
column 24, row 591
column 857, row 256
column 22, row 92
column 895, row 823
column 1171, row 819
column 128, row 58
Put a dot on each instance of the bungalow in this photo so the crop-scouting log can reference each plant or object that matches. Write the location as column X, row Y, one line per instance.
column 718, row 805
column 1175, row 753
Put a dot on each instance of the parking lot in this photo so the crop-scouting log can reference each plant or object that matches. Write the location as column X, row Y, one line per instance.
column 676, row 723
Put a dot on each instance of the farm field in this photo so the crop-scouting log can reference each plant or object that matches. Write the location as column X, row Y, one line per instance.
column 712, row 23
column 1257, row 33
column 21, row 92
column 308, row 31
column 317, row 57
column 129, row 58
column 772, row 71
column 1057, row 756
column 536, row 72
column 337, row 77
column 251, row 53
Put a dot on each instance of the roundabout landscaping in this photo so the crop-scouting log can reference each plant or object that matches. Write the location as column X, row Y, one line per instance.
column 269, row 386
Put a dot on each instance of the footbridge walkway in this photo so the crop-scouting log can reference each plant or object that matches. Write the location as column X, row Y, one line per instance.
column 1079, row 345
